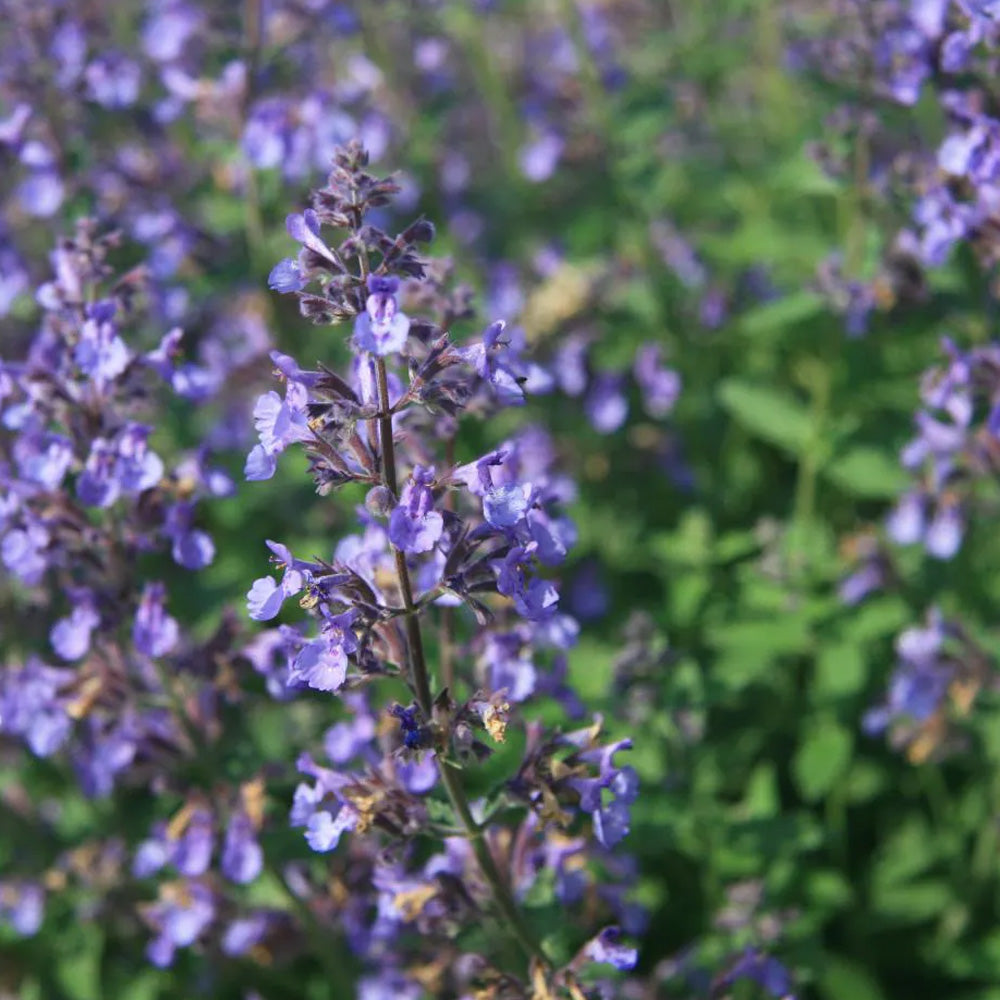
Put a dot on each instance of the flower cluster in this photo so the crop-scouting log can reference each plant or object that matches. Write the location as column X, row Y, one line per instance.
column 122, row 694
column 463, row 547
column 955, row 453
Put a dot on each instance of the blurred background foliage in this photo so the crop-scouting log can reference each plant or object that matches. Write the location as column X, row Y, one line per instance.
column 729, row 524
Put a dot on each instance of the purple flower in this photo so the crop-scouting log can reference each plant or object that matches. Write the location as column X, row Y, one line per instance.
column 606, row 949
column 286, row 276
column 414, row 736
column 154, row 633
column 921, row 679
column 606, row 405
column 389, row 984
column 70, row 637
column 190, row 547
column 125, row 465
column 944, row 534
column 242, row 857
column 182, row 914
column 764, row 970
column 659, row 386
column 44, row 459
column 381, row 329
column 540, row 157
column 266, row 597
column 22, row 906
column 496, row 364
column 33, row 707
column 322, row 663
column 98, row 485
column 100, row 352
column 23, row 552
column 414, row 525
column 505, row 506
column 534, row 599
column 245, row 933
column 113, row 81
column 279, row 423
column 611, row 816
column 192, row 854
column 305, row 229
column 906, row 523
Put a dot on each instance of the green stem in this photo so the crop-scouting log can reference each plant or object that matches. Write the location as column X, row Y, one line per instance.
column 420, row 680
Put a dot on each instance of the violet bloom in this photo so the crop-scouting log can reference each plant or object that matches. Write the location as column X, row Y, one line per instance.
column 154, row 633
column 319, row 809
column 381, row 329
column 606, row 406
column 245, row 933
column 22, row 906
column 190, row 547
column 286, row 276
column 607, row 949
column 182, row 914
column 242, row 857
column 764, row 970
column 610, row 815
column 113, row 81
column 100, row 353
column 192, row 854
column 279, row 423
column 42, row 191
column 23, row 552
column 322, row 663
column 659, row 386
column 265, row 598
column 504, row 507
column 70, row 637
column 511, row 668
column 97, row 485
column 495, row 363
column 305, row 229
column 33, row 707
column 534, row 599
column 540, row 157
column 389, row 984
column 414, row 525
column 125, row 465
column 907, row 522
column 414, row 736
column 44, row 459
column 921, row 679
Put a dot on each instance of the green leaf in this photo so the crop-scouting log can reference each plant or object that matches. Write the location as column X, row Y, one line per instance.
column 821, row 759
column 841, row 671
column 867, row 472
column 78, row 969
column 841, row 978
column 788, row 310
column 765, row 413
column 914, row 902
column 906, row 852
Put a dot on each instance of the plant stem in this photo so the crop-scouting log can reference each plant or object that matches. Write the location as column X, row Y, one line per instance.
column 421, row 686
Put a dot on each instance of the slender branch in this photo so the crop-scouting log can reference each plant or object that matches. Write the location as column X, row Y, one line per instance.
column 421, row 685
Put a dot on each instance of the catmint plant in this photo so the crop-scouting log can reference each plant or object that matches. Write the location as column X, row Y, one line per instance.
column 437, row 625
column 115, row 688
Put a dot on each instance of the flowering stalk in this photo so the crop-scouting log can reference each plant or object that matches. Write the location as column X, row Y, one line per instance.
column 482, row 546
column 422, row 689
